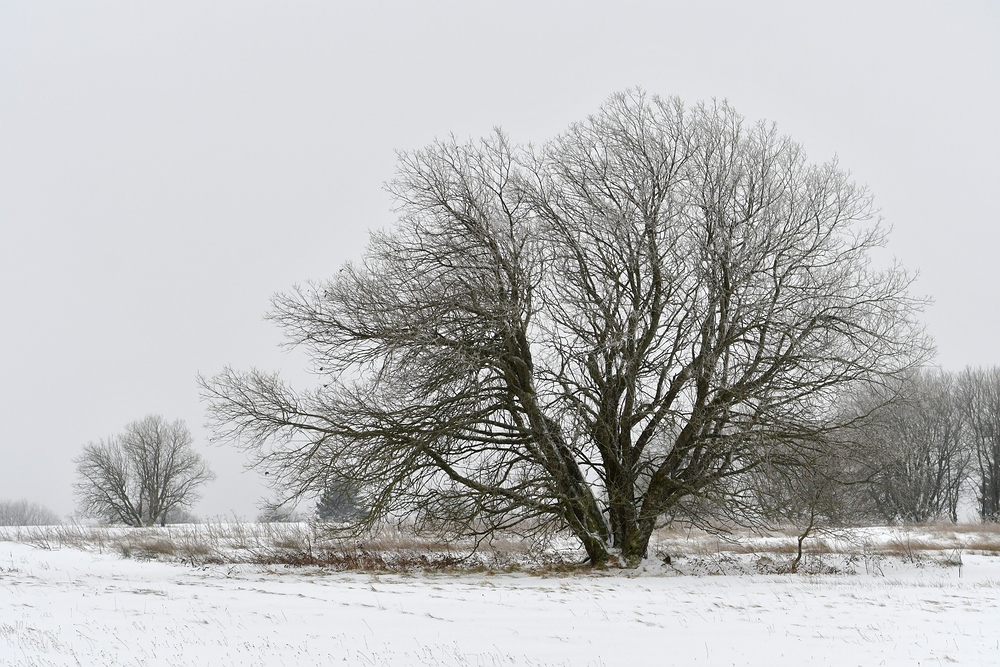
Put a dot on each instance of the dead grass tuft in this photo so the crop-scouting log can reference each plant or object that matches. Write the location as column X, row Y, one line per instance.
column 142, row 547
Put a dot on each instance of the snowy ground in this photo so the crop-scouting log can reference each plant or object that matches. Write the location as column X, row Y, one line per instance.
column 74, row 607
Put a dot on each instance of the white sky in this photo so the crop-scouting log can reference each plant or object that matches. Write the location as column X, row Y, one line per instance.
column 165, row 168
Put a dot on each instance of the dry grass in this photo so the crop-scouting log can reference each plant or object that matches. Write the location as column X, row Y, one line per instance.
column 295, row 545
column 689, row 550
column 828, row 550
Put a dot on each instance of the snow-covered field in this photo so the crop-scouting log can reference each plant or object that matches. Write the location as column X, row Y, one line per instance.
column 67, row 606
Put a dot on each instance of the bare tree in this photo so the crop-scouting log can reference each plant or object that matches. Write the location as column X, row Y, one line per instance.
column 24, row 513
column 979, row 394
column 141, row 476
column 584, row 336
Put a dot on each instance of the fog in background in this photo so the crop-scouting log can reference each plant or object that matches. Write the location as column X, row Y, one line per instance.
column 165, row 168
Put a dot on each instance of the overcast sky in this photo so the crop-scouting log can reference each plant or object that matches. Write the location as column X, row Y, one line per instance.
column 166, row 167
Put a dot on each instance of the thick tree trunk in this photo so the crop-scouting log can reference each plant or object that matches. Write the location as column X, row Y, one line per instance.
column 597, row 549
column 636, row 545
column 630, row 538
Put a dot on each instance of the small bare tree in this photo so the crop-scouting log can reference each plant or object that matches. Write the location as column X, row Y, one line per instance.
column 979, row 395
column 815, row 486
column 142, row 475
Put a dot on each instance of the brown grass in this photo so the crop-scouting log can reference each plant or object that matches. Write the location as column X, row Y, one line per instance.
column 394, row 550
column 295, row 545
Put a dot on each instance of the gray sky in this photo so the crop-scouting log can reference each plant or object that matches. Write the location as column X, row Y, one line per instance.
column 166, row 167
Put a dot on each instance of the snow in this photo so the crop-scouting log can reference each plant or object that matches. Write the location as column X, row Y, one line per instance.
column 75, row 607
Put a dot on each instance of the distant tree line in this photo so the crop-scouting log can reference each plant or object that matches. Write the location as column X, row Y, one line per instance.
column 918, row 449
column 25, row 513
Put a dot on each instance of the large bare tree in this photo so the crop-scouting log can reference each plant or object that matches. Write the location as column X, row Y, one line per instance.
column 142, row 475
column 583, row 336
